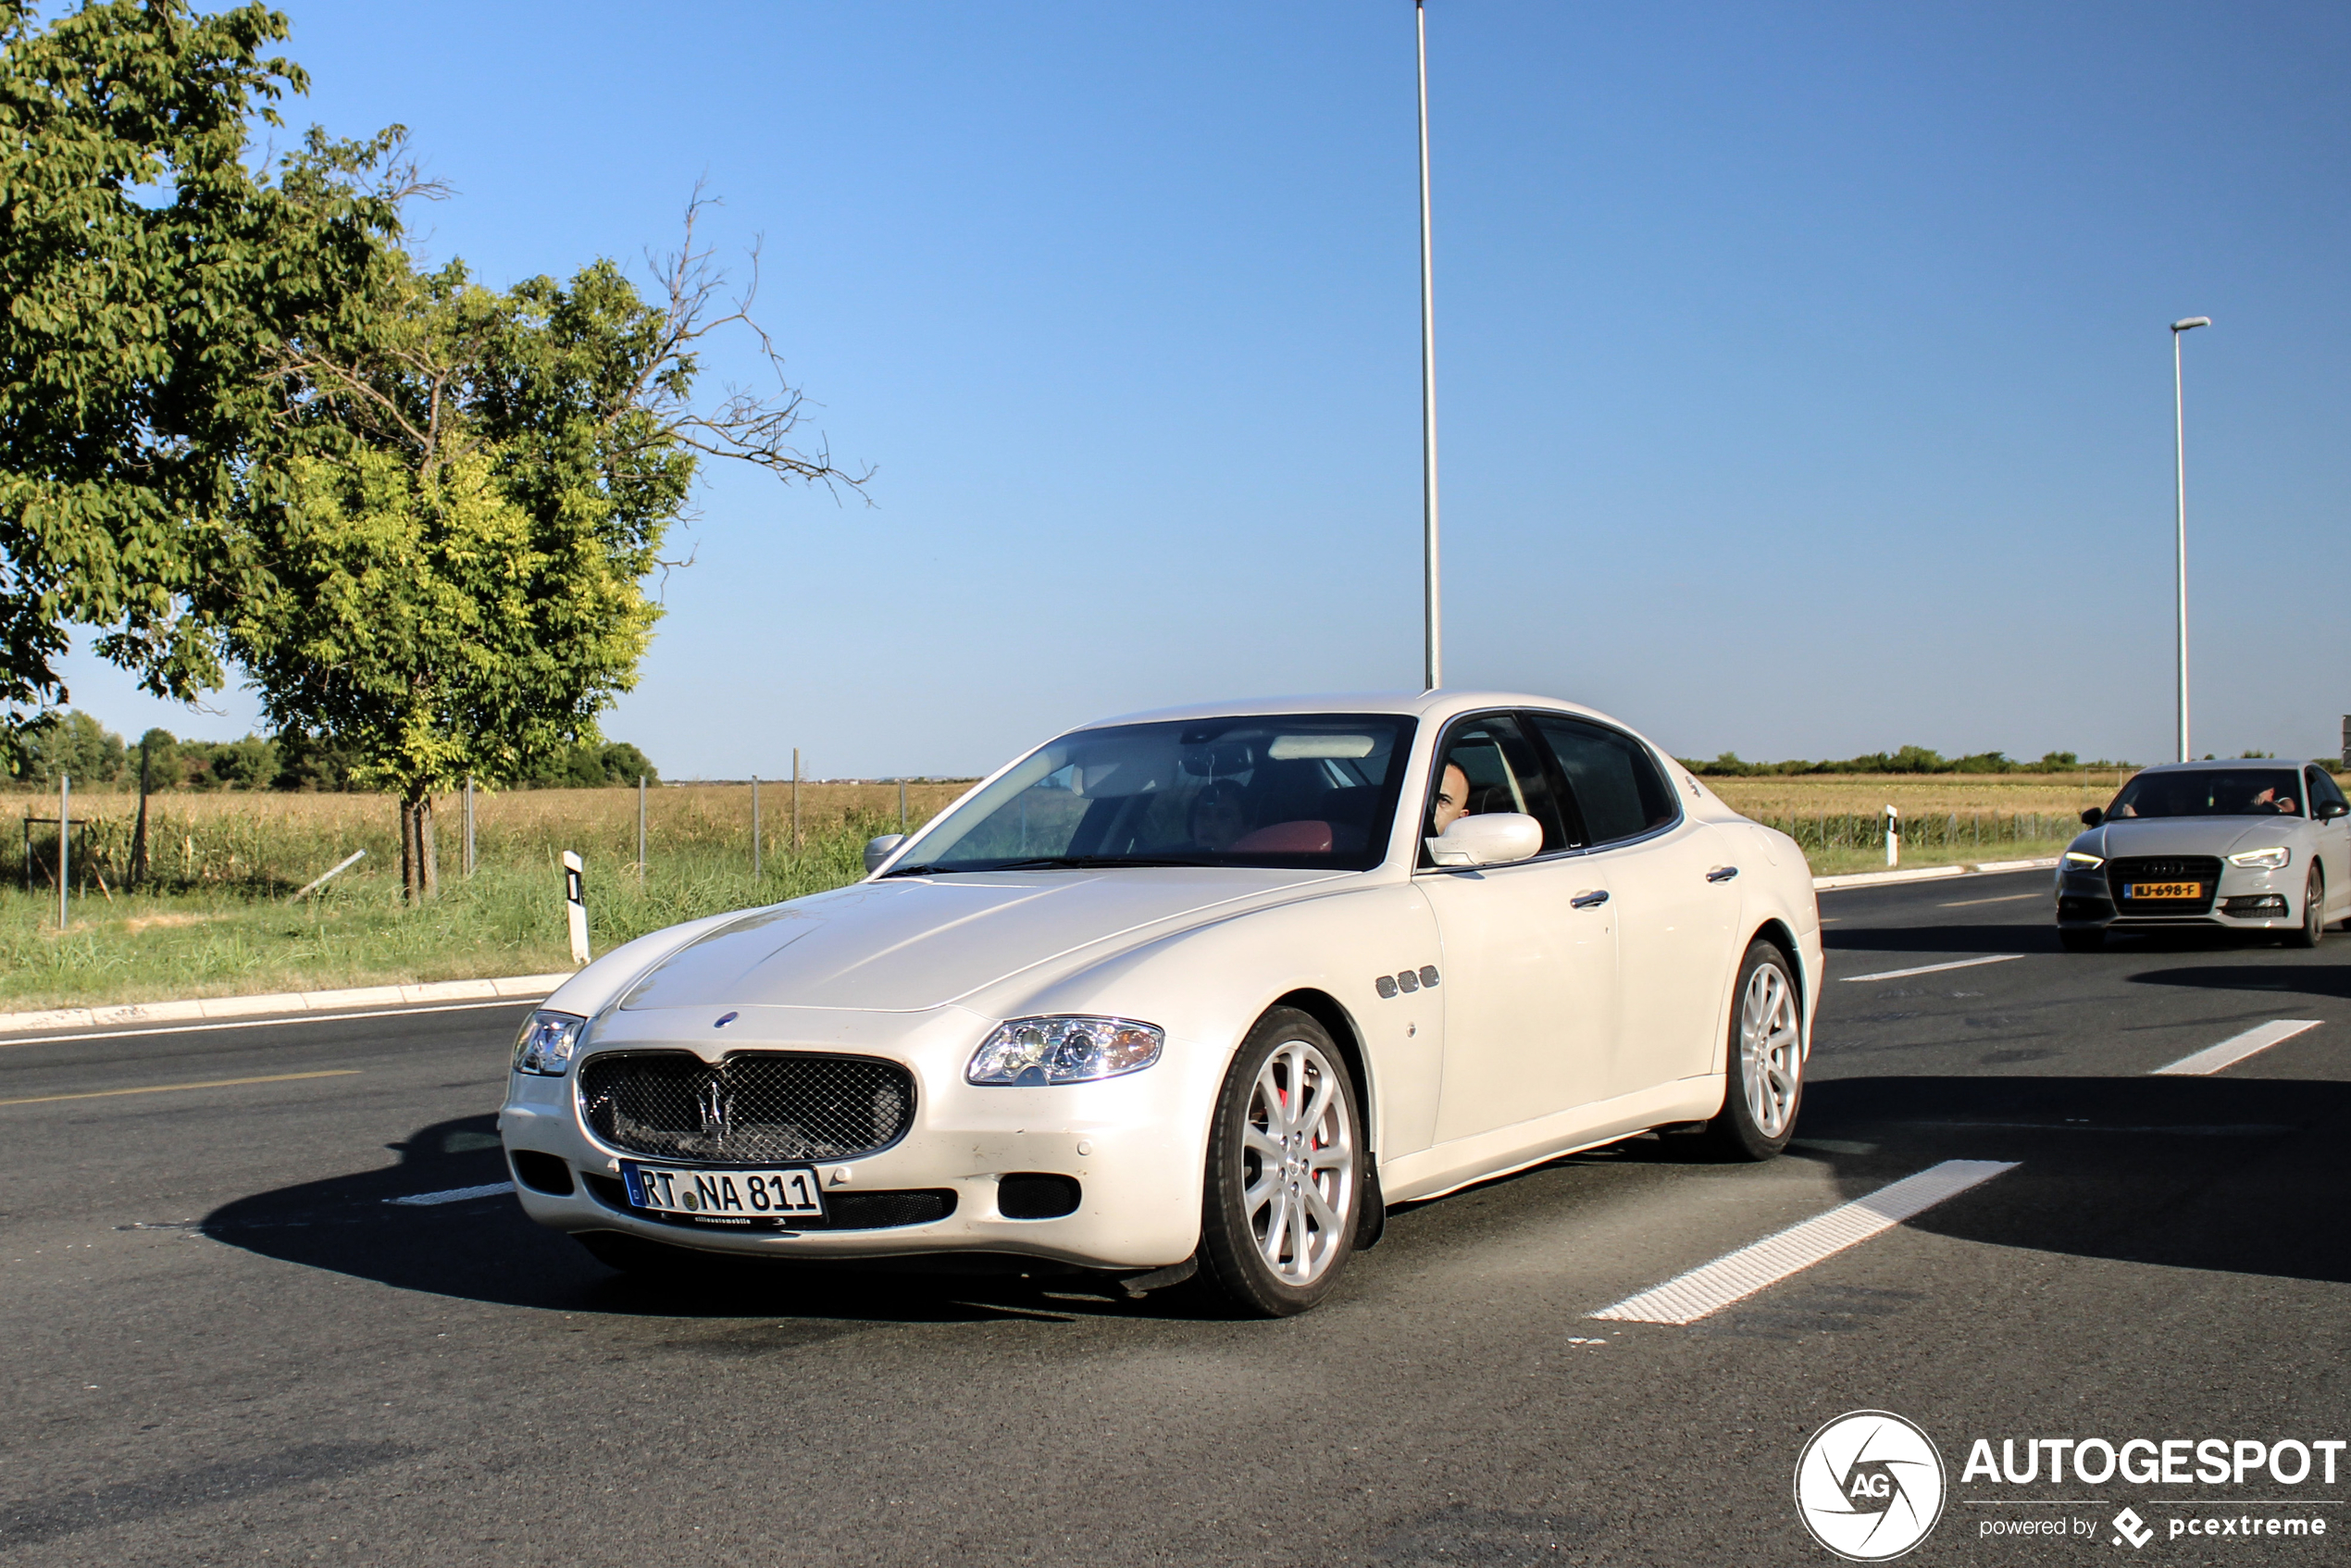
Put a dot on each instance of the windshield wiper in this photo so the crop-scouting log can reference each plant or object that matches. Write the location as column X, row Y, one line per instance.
column 1086, row 863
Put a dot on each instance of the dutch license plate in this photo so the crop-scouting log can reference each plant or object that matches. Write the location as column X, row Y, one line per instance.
column 2166, row 890
column 789, row 1192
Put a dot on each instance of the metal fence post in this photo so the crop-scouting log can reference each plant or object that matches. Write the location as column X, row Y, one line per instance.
column 755, row 827
column 641, row 830
column 65, row 843
column 469, row 824
column 795, row 799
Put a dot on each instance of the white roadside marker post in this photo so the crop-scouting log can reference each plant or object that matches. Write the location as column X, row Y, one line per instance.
column 576, row 907
column 1893, row 836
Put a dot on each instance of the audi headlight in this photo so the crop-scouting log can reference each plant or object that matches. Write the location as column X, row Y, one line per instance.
column 2076, row 860
column 2263, row 860
column 547, row 1040
column 1064, row 1051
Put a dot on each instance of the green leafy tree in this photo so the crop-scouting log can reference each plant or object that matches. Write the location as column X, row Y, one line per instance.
column 71, row 745
column 151, row 279
column 456, row 520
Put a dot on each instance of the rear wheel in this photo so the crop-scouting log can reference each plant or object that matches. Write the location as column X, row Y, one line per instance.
column 1763, row 1077
column 1278, row 1212
column 2314, row 910
column 2082, row 938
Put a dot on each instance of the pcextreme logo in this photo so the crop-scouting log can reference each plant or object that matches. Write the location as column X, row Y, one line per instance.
column 1869, row 1486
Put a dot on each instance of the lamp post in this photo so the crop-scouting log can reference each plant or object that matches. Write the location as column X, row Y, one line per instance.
column 2180, row 457
column 1432, row 667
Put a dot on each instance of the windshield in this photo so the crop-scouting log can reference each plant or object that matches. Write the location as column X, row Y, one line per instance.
column 1316, row 792
column 2213, row 792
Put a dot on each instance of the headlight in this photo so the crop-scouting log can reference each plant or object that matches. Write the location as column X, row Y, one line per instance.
column 1064, row 1051
column 2076, row 860
column 2266, row 859
column 546, row 1043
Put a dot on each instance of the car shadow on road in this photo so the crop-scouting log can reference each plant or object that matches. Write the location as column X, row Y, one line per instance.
column 1942, row 940
column 2332, row 981
column 484, row 1249
column 2190, row 1173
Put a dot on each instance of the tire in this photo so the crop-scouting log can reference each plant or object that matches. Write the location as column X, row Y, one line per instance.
column 2082, row 938
column 1279, row 1210
column 1763, row 1070
column 2314, row 910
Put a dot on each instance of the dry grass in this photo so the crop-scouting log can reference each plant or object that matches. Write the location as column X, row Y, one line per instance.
column 1919, row 794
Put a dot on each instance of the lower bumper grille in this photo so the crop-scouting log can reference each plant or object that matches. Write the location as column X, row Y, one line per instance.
column 752, row 1108
column 2122, row 874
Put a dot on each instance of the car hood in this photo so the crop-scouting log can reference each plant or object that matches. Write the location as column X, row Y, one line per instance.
column 2196, row 835
column 907, row 944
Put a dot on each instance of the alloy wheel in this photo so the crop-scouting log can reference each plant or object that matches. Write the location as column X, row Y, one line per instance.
column 1298, row 1163
column 1770, row 1049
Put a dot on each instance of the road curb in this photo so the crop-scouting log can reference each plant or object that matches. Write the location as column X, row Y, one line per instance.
column 281, row 1001
column 1929, row 874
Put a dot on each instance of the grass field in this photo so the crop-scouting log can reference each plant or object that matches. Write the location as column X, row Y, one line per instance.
column 216, row 921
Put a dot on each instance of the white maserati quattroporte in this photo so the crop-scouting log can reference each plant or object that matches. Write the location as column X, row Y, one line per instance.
column 2248, row 845
column 1192, row 992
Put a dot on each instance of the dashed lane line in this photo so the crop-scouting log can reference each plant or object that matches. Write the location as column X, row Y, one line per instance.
column 1931, row 968
column 454, row 1195
column 2004, row 898
column 168, row 1088
column 2236, row 1048
column 1712, row 1287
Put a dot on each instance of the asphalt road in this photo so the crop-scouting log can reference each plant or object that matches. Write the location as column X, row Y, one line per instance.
column 225, row 1346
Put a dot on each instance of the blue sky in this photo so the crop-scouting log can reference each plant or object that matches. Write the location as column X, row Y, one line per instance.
column 1804, row 384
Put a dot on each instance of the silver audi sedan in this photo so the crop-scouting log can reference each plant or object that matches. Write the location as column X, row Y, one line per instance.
column 2246, row 845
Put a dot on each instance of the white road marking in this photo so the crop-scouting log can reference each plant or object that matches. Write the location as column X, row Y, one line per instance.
column 1712, row 1287
column 454, row 1195
column 2236, row 1048
column 2004, row 898
column 168, row 1088
column 1931, row 968
column 273, row 1023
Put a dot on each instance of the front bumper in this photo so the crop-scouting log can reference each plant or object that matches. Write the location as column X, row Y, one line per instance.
column 2247, row 900
column 1133, row 1145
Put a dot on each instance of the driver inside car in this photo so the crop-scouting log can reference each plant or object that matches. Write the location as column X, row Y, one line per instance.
column 1452, row 799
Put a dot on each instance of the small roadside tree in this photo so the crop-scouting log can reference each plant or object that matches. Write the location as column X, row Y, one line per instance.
column 468, row 493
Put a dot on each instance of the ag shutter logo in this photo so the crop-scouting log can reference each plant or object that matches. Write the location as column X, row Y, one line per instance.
column 1869, row 1486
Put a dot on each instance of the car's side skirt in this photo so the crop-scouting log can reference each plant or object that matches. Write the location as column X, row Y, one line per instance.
column 1447, row 1167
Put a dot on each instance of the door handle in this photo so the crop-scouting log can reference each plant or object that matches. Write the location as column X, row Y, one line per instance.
column 1721, row 873
column 1592, row 898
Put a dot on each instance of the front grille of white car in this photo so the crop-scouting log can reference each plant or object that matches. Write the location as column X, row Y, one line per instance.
column 2129, row 870
column 752, row 1107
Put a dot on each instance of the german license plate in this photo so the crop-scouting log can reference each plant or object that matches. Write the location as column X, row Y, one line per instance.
column 789, row 1192
column 2166, row 890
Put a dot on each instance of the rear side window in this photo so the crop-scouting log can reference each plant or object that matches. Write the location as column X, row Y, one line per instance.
column 1613, row 781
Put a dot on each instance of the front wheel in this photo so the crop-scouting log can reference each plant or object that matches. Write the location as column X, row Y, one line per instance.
column 1763, row 1079
column 1285, row 1169
column 2314, row 911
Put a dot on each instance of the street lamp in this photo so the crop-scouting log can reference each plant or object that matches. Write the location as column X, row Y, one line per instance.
column 1432, row 667
column 2180, row 453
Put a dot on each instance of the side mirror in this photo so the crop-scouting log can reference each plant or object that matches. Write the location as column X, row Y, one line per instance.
column 2092, row 818
column 881, row 849
column 2329, row 810
column 1494, row 838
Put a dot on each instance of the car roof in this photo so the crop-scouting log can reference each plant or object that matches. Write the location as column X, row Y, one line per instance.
column 2210, row 765
column 1440, row 704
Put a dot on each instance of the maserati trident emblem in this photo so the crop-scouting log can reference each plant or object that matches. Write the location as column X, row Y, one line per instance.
column 716, row 1106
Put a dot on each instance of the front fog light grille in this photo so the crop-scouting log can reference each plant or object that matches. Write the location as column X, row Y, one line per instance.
column 754, row 1106
column 2267, row 907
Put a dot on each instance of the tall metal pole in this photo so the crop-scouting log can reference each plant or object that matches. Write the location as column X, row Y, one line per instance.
column 65, row 843
column 641, row 830
column 1433, row 662
column 2180, row 455
column 755, row 827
